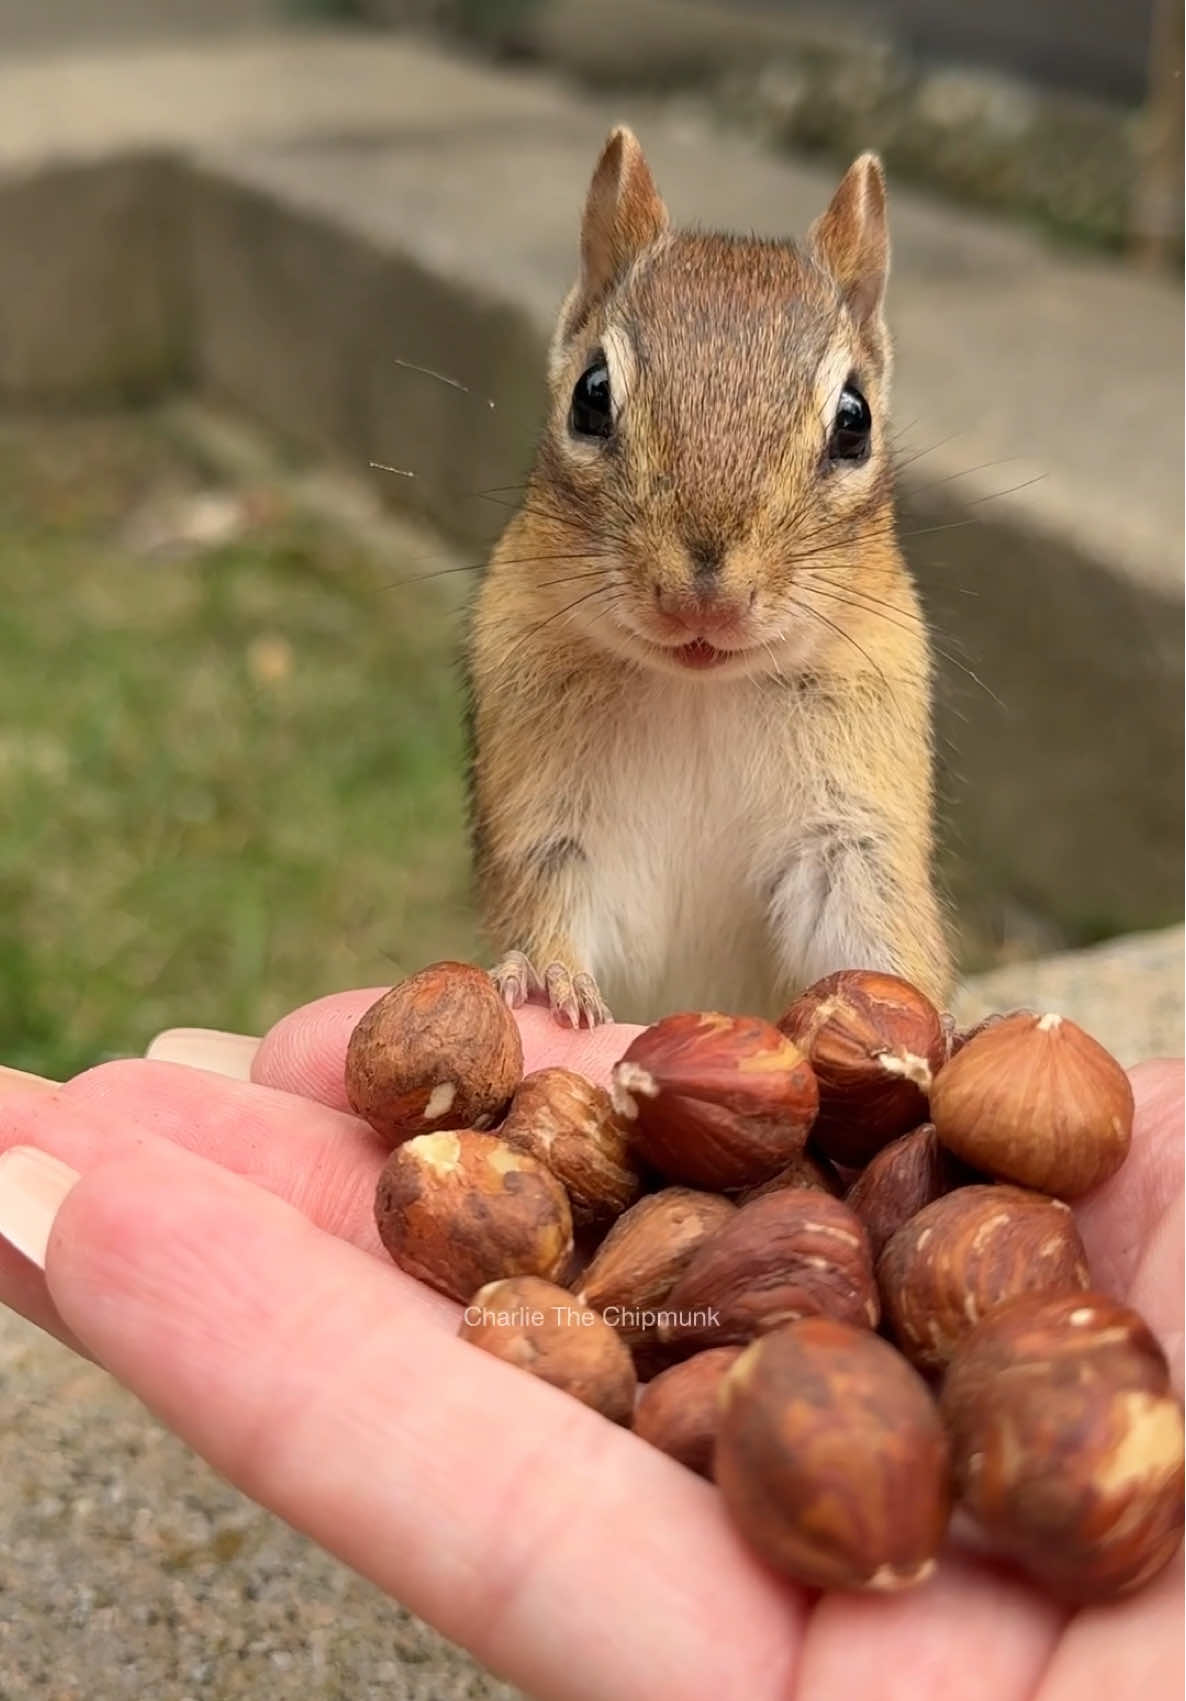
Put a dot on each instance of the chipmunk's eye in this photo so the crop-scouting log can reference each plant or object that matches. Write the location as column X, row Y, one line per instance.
column 849, row 440
column 591, row 412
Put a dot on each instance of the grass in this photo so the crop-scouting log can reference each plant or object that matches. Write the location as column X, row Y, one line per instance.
column 230, row 780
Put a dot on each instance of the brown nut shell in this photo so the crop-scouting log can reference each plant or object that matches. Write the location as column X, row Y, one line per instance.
column 806, row 1169
column 715, row 1101
column 458, row 1209
column 541, row 1328
column 570, row 1125
column 645, row 1253
column 1067, row 1442
column 680, row 1410
column 959, row 1258
column 875, row 1043
column 904, row 1176
column 832, row 1459
column 959, row 1037
column 1036, row 1101
column 440, row 1050
column 795, row 1253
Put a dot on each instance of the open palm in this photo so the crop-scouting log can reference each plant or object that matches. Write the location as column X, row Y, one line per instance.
column 219, row 1257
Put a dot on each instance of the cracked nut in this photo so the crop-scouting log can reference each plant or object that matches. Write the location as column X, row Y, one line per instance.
column 832, row 1459
column 875, row 1043
column 959, row 1258
column 959, row 1037
column 571, row 1126
column 1067, row 1443
column 679, row 1411
column 909, row 1173
column 458, row 1209
column 715, row 1101
column 1036, row 1101
column 541, row 1328
column 440, row 1050
column 795, row 1253
column 806, row 1169
column 634, row 1269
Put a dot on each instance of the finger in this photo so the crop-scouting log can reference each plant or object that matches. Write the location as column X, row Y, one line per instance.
column 22, row 1284
column 592, row 1052
column 970, row 1633
column 206, row 1048
column 1129, row 1650
column 13, row 1081
column 1156, row 1288
column 306, row 1051
column 1118, row 1218
column 323, row 1163
column 565, row 1553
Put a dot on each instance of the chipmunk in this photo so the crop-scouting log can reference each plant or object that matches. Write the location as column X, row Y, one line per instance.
column 700, row 677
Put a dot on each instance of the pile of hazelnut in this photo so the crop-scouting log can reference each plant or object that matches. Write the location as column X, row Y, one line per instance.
column 827, row 1263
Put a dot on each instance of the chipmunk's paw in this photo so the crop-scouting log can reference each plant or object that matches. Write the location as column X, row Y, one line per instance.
column 516, row 980
column 570, row 994
column 573, row 998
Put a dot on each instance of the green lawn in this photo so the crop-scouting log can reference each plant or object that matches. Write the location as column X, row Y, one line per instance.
column 229, row 780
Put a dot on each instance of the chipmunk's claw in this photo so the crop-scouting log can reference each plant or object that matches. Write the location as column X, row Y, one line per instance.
column 573, row 998
column 516, row 979
column 592, row 1005
column 571, row 995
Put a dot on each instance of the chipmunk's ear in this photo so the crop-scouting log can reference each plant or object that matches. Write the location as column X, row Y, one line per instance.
column 623, row 213
column 851, row 240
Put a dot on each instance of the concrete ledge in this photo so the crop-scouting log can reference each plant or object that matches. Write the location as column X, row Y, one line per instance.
column 94, row 282
column 1127, row 993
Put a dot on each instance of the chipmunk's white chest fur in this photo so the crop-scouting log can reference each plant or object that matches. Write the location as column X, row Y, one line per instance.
column 693, row 812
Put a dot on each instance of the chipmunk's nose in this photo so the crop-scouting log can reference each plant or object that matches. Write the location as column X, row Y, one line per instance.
column 701, row 609
column 706, row 555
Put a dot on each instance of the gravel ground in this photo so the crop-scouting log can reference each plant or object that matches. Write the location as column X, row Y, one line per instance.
column 130, row 1570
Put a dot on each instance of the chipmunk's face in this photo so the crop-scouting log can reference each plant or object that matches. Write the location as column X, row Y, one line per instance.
column 718, row 447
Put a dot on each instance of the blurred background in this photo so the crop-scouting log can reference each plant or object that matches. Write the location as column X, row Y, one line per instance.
column 231, row 754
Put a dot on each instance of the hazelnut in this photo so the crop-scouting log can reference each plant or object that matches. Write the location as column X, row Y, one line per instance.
column 715, row 1101
column 806, row 1169
column 440, row 1050
column 907, row 1174
column 571, row 1126
column 959, row 1037
column 679, row 1411
column 1035, row 1100
column 875, row 1043
column 458, row 1209
column 832, row 1459
column 966, row 1253
column 646, row 1252
column 795, row 1253
column 539, row 1327
column 1067, row 1442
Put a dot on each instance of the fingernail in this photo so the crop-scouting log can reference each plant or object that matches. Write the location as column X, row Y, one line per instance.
column 20, row 1081
column 206, row 1048
column 32, row 1187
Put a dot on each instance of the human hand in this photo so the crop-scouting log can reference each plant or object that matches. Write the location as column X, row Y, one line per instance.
column 219, row 1256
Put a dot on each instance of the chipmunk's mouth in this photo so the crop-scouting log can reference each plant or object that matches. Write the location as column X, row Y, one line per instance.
column 698, row 655
column 701, row 654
